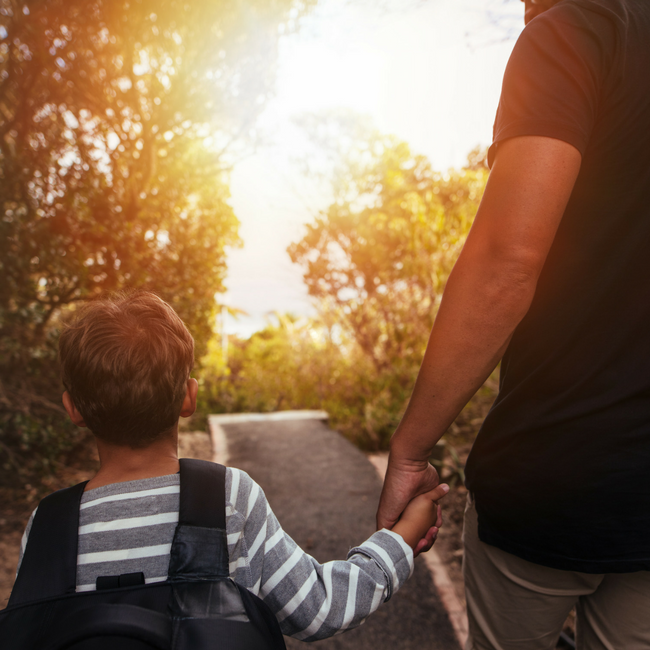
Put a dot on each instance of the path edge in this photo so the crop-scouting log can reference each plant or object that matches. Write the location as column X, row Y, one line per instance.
column 439, row 574
column 218, row 437
column 437, row 570
column 218, row 441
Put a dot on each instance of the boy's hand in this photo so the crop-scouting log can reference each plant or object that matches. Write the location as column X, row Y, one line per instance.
column 421, row 519
column 429, row 539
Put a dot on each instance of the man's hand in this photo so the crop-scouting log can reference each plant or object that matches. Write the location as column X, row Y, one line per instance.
column 429, row 539
column 404, row 481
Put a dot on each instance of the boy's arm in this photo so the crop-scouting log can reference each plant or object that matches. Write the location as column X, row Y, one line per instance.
column 310, row 600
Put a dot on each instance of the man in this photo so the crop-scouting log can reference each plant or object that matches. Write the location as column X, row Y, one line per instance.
column 554, row 282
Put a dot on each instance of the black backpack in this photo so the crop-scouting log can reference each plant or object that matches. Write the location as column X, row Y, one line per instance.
column 198, row 607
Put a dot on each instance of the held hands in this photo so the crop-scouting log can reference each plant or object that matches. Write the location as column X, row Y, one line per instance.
column 410, row 495
column 421, row 520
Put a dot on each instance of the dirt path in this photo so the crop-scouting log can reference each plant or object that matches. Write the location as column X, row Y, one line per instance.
column 324, row 492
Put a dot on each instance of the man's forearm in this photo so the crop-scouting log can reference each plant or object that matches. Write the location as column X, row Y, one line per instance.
column 484, row 301
column 491, row 286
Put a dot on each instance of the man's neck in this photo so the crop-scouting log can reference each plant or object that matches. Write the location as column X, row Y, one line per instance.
column 119, row 464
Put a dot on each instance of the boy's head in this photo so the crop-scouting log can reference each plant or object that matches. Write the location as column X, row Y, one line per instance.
column 125, row 362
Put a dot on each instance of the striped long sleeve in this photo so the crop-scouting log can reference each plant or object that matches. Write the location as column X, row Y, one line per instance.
column 127, row 527
column 310, row 600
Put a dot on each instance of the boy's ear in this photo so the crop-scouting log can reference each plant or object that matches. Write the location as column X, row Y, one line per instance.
column 75, row 416
column 189, row 403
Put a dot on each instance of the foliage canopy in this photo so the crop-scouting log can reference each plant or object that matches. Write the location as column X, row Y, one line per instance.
column 376, row 262
column 379, row 256
column 119, row 120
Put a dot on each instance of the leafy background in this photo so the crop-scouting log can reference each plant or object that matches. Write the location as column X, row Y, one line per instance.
column 120, row 122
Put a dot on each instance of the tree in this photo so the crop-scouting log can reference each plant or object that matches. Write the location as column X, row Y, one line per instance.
column 115, row 121
column 119, row 120
column 376, row 262
column 379, row 256
column 294, row 363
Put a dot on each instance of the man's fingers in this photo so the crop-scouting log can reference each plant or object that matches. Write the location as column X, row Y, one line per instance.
column 384, row 518
column 439, row 518
column 422, row 544
column 431, row 535
column 427, row 542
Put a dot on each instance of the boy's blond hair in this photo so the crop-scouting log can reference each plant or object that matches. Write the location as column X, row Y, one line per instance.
column 125, row 362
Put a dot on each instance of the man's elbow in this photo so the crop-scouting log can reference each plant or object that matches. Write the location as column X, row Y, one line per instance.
column 500, row 279
column 520, row 271
column 513, row 281
column 506, row 276
column 517, row 263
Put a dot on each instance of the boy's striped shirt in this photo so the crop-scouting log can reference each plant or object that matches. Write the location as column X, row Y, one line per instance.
column 129, row 527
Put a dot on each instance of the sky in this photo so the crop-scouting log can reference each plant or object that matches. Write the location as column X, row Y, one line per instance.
column 427, row 71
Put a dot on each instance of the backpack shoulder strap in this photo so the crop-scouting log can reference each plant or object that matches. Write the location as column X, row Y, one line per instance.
column 203, row 494
column 200, row 546
column 49, row 566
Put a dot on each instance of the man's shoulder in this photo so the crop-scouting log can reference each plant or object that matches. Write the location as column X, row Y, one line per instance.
column 584, row 16
column 601, row 19
column 583, row 36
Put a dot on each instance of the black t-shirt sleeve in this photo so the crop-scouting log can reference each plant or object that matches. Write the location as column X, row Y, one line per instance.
column 552, row 82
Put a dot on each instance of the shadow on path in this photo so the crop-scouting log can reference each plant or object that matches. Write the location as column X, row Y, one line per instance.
column 324, row 491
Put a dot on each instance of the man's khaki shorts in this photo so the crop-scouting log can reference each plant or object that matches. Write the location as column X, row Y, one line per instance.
column 513, row 604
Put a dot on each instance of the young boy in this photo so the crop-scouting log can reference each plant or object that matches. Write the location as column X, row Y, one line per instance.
column 125, row 364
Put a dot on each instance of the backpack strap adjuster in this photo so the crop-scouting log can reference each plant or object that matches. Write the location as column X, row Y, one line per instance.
column 116, row 582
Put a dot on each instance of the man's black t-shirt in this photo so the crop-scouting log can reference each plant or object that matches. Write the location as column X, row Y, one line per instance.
column 560, row 469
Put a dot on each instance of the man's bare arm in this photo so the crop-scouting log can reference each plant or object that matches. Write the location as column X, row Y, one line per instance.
column 487, row 295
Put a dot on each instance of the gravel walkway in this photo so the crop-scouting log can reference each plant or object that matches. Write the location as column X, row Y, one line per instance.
column 324, row 492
